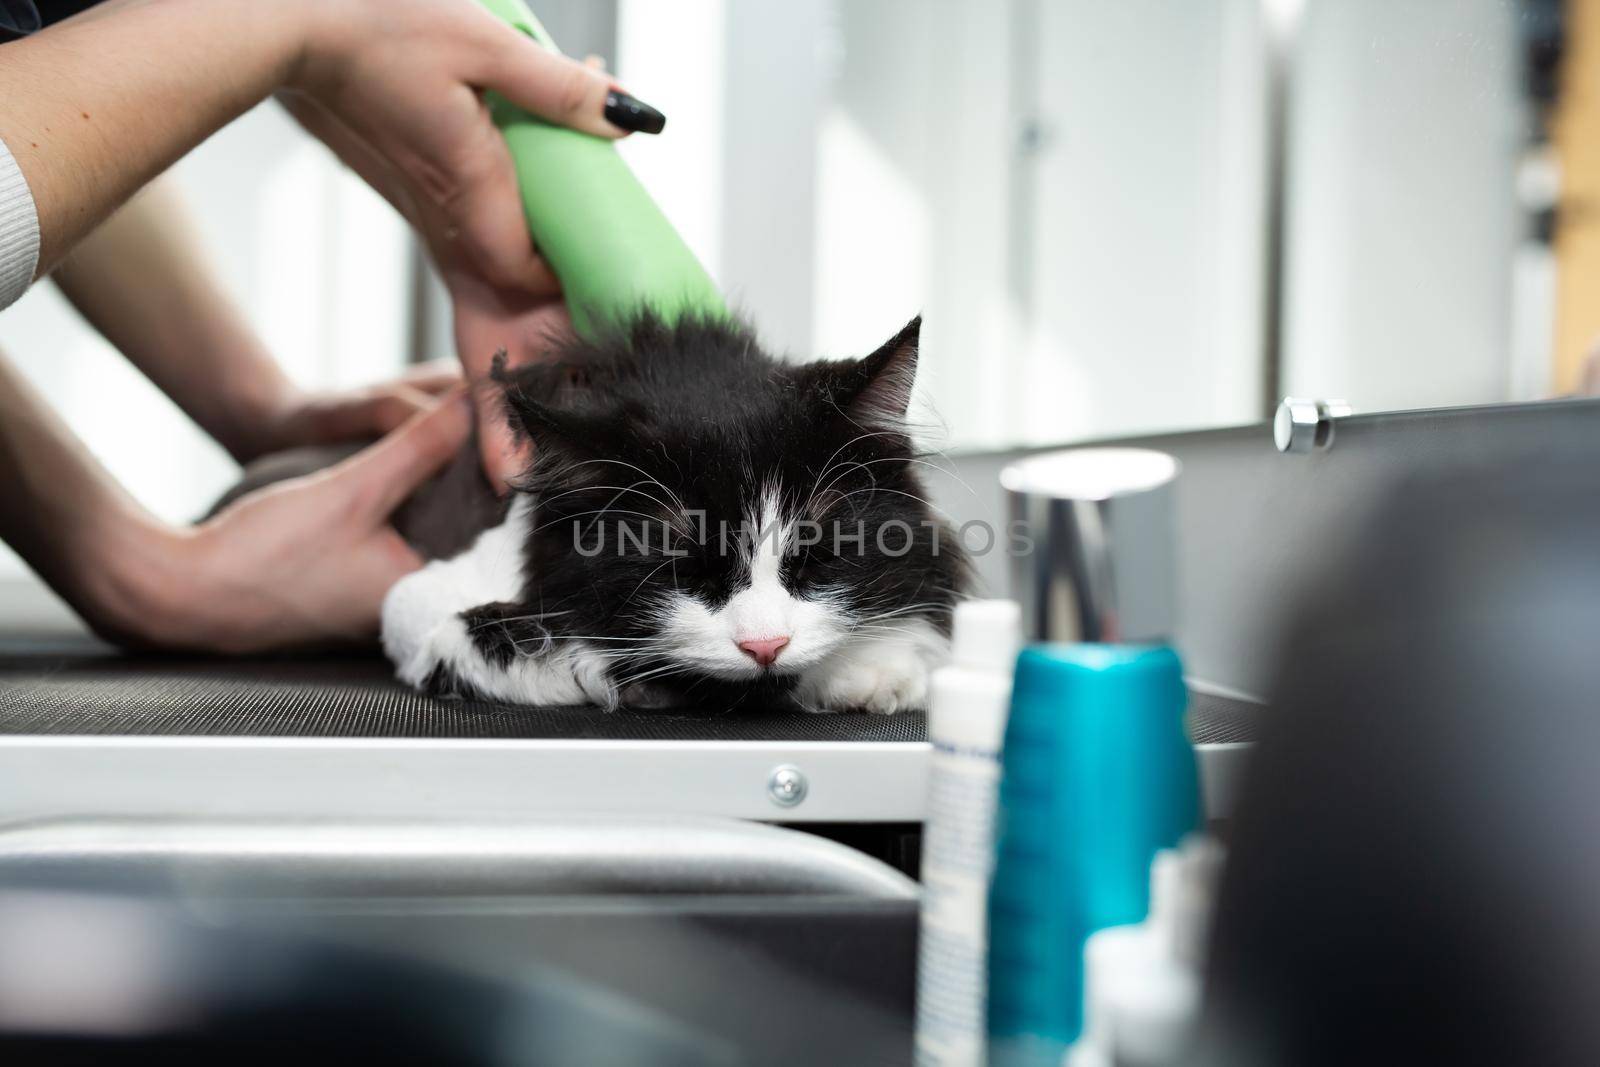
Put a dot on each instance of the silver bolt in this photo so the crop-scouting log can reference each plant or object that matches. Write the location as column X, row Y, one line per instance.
column 1306, row 425
column 786, row 785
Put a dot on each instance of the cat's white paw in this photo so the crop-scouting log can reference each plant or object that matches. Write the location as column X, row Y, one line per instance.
column 895, row 681
column 432, row 648
column 449, row 662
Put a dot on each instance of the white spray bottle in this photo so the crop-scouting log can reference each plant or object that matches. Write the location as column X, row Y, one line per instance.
column 966, row 725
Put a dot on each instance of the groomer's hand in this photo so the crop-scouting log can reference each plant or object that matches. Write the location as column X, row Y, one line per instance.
column 308, row 561
column 489, row 320
column 393, row 87
column 405, row 77
column 302, row 417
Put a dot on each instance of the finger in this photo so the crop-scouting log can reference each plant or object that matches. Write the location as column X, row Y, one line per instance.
column 594, row 62
column 488, row 224
column 370, row 570
column 435, row 377
column 382, row 476
column 396, row 406
column 384, row 560
column 542, row 280
column 511, row 464
column 369, row 415
column 497, row 445
column 567, row 92
column 487, row 231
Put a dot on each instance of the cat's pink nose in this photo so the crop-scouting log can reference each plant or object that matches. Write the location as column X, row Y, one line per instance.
column 765, row 651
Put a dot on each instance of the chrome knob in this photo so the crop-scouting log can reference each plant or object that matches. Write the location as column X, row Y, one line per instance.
column 786, row 785
column 1303, row 425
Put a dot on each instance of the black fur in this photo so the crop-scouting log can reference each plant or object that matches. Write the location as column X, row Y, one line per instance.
column 631, row 430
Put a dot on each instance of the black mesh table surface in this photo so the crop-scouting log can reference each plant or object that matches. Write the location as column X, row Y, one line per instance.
column 70, row 687
column 55, row 687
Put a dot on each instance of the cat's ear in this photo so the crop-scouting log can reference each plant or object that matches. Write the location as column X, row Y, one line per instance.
column 550, row 426
column 544, row 424
column 877, row 388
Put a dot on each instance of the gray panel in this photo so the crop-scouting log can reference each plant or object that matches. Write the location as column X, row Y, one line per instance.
column 581, row 27
column 1253, row 524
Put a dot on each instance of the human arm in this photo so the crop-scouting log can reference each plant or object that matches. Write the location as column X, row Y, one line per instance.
column 143, row 280
column 303, row 562
column 95, row 107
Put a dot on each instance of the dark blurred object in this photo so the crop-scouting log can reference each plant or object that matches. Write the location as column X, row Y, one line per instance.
column 17, row 17
column 1415, row 872
column 1542, row 27
column 613, row 939
column 53, row 11
column 92, row 979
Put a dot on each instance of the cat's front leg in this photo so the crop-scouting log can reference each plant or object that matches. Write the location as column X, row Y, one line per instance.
column 451, row 628
column 881, row 671
column 492, row 652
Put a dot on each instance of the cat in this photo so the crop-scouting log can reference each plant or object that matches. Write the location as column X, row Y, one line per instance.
column 702, row 525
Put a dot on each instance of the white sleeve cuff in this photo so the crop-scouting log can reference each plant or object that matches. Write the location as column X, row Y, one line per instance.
column 19, row 231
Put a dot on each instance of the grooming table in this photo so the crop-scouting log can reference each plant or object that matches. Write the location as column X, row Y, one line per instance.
column 87, row 731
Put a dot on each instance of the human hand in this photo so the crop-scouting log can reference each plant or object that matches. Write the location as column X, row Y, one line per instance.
column 436, row 156
column 363, row 414
column 394, row 87
column 524, row 326
column 306, row 561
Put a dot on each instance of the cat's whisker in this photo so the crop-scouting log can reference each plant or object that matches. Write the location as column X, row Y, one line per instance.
column 828, row 467
column 829, row 464
column 909, row 609
column 596, row 637
column 629, row 598
column 930, row 505
column 854, row 440
column 595, row 511
column 528, row 617
column 835, row 481
column 660, row 672
column 949, row 471
column 651, row 478
column 544, row 500
column 626, row 489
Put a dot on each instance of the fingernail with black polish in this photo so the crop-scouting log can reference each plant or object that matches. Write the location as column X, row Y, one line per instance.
column 626, row 113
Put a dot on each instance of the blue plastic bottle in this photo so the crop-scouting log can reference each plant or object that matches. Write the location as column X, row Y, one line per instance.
column 1098, row 773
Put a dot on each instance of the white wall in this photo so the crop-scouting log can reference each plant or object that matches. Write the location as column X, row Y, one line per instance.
column 1146, row 262
column 840, row 165
column 1122, row 294
column 914, row 161
column 674, row 55
column 1404, row 214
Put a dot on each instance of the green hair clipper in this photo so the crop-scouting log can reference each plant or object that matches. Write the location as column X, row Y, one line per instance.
column 591, row 219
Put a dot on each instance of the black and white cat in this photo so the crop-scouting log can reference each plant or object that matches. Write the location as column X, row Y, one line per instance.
column 702, row 524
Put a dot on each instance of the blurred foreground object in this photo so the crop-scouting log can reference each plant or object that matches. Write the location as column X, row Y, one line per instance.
column 1413, row 872
column 574, row 940
column 97, row 979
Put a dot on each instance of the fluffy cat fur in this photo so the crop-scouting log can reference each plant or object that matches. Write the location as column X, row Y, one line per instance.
column 703, row 524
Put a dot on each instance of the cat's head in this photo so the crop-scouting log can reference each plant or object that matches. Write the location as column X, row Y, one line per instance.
column 705, row 511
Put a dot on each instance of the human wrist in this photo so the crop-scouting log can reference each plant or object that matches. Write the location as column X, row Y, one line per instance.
column 326, row 32
column 136, row 586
